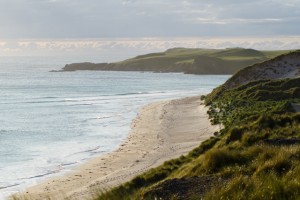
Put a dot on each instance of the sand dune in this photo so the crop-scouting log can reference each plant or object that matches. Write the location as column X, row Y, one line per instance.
column 161, row 131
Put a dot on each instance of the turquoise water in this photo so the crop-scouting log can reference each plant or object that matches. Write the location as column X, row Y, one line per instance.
column 50, row 122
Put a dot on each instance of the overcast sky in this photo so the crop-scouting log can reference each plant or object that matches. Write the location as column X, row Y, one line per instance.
column 57, row 20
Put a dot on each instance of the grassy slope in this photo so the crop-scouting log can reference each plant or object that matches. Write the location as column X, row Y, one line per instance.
column 194, row 61
column 199, row 61
column 255, row 156
column 246, row 73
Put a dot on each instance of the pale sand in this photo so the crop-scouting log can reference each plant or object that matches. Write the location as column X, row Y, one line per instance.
column 160, row 132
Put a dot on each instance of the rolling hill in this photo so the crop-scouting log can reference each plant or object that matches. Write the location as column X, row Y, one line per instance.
column 184, row 60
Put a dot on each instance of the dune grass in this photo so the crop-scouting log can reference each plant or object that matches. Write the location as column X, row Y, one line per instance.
column 256, row 154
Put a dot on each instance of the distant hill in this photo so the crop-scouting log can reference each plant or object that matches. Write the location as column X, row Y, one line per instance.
column 185, row 60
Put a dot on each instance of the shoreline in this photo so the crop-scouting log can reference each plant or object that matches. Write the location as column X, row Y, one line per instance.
column 161, row 131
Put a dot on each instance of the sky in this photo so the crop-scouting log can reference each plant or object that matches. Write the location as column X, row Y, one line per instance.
column 139, row 26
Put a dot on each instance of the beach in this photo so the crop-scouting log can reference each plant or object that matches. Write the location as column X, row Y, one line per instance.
column 161, row 131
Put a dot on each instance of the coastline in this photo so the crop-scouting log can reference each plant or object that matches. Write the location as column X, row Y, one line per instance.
column 161, row 131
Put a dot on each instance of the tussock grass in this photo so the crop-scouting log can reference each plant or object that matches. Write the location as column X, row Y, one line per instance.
column 255, row 154
column 134, row 189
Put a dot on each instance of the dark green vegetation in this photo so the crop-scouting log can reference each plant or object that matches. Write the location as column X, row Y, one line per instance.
column 280, row 67
column 260, row 142
column 191, row 61
column 255, row 156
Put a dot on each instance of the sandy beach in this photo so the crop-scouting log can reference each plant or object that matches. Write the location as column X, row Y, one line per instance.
column 161, row 131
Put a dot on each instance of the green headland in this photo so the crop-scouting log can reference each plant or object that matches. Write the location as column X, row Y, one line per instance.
column 184, row 60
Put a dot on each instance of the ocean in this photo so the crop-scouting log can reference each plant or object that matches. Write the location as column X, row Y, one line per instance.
column 51, row 122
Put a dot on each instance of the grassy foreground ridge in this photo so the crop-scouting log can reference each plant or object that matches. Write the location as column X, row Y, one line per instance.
column 255, row 156
column 190, row 61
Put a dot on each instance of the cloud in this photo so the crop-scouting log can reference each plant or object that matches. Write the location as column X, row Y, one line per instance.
column 148, row 18
column 237, row 21
column 117, row 49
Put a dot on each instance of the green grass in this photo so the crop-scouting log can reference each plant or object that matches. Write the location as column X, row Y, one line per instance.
column 272, row 54
column 186, row 60
column 199, row 60
column 190, row 61
column 247, row 76
column 255, row 156
column 250, row 167
column 241, row 58
column 135, row 188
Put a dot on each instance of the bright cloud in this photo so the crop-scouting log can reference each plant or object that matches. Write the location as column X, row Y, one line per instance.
column 127, row 47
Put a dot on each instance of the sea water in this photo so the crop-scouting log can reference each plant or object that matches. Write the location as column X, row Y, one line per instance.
column 51, row 122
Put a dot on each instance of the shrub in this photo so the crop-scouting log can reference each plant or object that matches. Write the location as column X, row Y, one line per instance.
column 235, row 133
column 206, row 145
column 219, row 158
